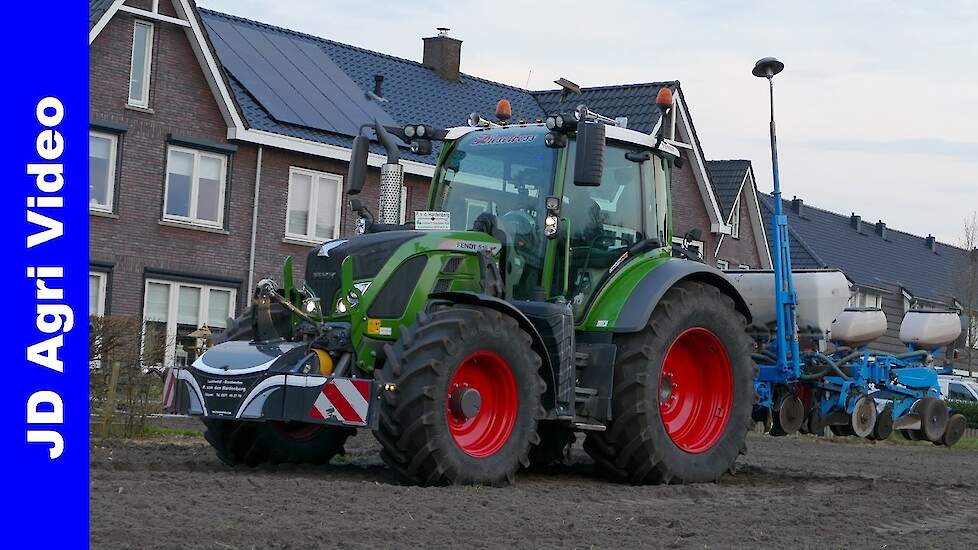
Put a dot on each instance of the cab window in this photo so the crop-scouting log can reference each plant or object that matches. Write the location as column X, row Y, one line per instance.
column 602, row 223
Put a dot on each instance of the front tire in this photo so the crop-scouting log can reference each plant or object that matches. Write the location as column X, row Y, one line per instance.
column 256, row 443
column 467, row 398
column 683, row 392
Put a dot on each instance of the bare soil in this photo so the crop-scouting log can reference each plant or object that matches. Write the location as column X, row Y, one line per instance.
column 800, row 492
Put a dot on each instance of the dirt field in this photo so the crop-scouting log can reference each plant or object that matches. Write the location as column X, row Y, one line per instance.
column 171, row 492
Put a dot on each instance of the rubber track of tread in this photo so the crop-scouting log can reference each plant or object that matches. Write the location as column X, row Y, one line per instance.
column 625, row 450
column 415, row 363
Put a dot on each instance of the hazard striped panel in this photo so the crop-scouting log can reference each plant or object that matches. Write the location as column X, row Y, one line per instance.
column 345, row 400
column 169, row 389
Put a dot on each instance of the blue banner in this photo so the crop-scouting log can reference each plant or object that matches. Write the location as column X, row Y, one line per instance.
column 44, row 395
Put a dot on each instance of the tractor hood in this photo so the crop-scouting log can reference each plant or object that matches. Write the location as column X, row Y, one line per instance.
column 369, row 253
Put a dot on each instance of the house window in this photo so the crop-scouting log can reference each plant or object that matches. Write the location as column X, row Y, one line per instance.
column 865, row 298
column 172, row 311
column 907, row 302
column 142, row 50
column 735, row 219
column 404, row 203
column 96, row 293
column 102, row 150
column 694, row 246
column 973, row 330
column 723, row 264
column 195, row 186
column 743, row 267
column 314, row 205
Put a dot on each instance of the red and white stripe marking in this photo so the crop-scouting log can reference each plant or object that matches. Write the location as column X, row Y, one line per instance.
column 169, row 389
column 343, row 399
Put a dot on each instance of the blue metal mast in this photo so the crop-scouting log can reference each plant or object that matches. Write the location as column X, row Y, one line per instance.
column 789, row 362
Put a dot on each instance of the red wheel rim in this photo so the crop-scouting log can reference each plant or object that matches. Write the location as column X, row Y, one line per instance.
column 695, row 390
column 484, row 433
column 297, row 431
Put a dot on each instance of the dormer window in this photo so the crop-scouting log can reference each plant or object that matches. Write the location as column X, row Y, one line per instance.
column 139, row 70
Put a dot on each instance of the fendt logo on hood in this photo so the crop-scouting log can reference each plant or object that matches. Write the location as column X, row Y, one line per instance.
column 470, row 246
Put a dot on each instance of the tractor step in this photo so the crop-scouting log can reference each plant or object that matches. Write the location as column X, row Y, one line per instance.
column 585, row 427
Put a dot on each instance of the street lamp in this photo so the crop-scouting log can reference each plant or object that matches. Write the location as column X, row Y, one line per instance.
column 785, row 298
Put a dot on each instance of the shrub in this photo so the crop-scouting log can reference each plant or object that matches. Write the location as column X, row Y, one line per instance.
column 968, row 408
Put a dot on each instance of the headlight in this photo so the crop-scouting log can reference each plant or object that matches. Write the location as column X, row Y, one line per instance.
column 352, row 297
column 309, row 305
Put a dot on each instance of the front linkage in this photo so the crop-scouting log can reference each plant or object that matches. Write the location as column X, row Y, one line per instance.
column 292, row 368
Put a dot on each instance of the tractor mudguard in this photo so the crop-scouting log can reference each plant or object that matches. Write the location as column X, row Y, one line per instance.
column 638, row 307
column 477, row 299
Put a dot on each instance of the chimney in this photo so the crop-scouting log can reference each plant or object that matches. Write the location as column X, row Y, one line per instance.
column 797, row 205
column 931, row 243
column 881, row 229
column 856, row 222
column 443, row 54
column 379, row 85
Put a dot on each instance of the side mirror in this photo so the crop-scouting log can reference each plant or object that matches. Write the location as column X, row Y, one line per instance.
column 356, row 174
column 589, row 158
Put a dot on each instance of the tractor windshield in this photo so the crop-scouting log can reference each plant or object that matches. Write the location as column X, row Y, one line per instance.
column 506, row 173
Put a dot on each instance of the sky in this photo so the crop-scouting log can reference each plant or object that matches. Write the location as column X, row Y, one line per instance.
column 877, row 108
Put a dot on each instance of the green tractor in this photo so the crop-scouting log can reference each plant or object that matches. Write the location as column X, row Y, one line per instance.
column 539, row 296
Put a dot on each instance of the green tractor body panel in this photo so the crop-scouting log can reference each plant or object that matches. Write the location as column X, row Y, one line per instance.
column 378, row 307
column 602, row 314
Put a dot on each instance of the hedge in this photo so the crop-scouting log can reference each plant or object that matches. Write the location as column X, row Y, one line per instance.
column 968, row 408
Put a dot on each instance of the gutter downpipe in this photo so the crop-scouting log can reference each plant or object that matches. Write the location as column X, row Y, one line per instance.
column 254, row 228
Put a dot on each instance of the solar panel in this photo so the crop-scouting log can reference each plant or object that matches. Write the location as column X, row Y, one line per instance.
column 293, row 79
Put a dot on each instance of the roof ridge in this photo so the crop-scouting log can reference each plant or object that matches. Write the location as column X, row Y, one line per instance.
column 350, row 46
column 792, row 232
column 844, row 217
column 730, row 160
column 612, row 86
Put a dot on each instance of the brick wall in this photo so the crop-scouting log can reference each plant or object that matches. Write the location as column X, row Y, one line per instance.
column 132, row 239
column 688, row 210
column 271, row 245
column 743, row 250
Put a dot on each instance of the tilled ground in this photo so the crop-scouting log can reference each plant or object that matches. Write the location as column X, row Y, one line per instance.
column 790, row 492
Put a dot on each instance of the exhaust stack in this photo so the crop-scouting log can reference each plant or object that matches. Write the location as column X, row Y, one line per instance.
column 391, row 182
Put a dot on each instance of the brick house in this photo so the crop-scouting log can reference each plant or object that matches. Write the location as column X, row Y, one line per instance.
column 745, row 247
column 211, row 160
column 890, row 269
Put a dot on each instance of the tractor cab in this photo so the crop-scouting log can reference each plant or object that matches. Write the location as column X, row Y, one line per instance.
column 563, row 230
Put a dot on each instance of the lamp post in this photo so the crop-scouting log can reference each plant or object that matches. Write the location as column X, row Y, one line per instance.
column 785, row 298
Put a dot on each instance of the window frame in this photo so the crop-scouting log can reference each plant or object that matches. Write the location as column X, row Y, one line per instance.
column 103, row 287
column 404, row 203
column 192, row 219
column 854, row 300
column 735, row 219
column 312, row 214
column 142, row 102
column 172, row 310
column 109, row 207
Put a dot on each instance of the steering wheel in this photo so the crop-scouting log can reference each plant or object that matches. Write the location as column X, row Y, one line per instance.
column 521, row 227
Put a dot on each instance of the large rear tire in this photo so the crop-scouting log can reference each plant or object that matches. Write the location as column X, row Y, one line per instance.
column 256, row 443
column 683, row 392
column 467, row 398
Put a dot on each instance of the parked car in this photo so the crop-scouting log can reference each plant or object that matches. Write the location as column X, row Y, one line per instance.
column 959, row 388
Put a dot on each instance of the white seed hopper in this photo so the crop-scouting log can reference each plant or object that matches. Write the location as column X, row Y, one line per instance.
column 822, row 295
